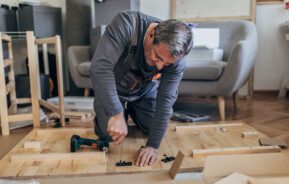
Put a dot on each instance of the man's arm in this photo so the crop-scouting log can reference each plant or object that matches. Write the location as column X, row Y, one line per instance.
column 167, row 94
column 109, row 49
column 166, row 97
column 111, row 46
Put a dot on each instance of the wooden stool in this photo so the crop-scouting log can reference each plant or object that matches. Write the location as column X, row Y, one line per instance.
column 32, row 47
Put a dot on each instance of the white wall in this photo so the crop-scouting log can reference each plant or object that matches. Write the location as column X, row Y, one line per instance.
column 273, row 55
column 157, row 8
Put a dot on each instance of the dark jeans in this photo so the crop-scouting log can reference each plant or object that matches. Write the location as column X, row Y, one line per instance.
column 141, row 111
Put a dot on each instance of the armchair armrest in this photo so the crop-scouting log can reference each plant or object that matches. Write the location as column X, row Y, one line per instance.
column 240, row 62
column 77, row 55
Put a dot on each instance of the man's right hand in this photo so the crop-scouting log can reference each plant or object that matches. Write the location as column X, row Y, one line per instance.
column 117, row 128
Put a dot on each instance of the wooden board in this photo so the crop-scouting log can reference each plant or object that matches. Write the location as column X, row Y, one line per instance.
column 140, row 178
column 218, row 167
column 213, row 9
column 57, row 141
column 269, row 180
column 235, row 150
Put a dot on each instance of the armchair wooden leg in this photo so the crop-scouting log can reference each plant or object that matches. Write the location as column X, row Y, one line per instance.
column 221, row 104
column 86, row 91
column 236, row 98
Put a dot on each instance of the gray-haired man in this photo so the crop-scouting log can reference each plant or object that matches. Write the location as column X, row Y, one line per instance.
column 134, row 51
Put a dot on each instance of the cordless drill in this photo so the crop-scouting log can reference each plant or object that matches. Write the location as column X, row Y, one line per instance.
column 76, row 141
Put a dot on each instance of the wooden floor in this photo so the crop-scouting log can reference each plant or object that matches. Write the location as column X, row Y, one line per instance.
column 267, row 114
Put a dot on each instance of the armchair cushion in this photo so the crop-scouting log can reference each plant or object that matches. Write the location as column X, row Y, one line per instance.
column 204, row 70
column 205, row 54
column 83, row 68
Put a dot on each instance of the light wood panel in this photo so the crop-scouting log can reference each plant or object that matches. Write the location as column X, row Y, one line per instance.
column 58, row 141
column 8, row 114
column 235, row 150
column 32, row 47
column 194, row 10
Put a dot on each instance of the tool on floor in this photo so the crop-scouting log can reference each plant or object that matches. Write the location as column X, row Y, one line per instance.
column 123, row 163
column 189, row 117
column 167, row 159
column 77, row 141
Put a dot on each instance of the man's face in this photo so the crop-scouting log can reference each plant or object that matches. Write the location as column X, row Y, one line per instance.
column 156, row 55
column 159, row 56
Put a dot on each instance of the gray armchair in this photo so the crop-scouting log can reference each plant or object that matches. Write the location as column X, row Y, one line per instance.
column 238, row 39
column 79, row 58
column 79, row 61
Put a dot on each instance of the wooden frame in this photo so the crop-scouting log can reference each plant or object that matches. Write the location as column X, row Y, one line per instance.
column 251, row 17
column 7, row 114
column 32, row 46
column 196, row 153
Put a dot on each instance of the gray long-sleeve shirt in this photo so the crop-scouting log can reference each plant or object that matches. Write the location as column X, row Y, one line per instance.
column 112, row 47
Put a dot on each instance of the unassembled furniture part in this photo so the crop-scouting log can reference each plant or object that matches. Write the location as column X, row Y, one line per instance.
column 235, row 150
column 7, row 114
column 32, row 46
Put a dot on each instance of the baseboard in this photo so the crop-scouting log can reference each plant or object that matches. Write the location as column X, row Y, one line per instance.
column 266, row 92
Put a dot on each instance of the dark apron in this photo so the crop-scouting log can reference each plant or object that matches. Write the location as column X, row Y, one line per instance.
column 132, row 81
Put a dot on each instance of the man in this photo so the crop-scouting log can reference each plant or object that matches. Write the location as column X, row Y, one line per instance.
column 134, row 51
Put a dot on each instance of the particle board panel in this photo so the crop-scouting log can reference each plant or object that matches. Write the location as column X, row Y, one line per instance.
column 57, row 141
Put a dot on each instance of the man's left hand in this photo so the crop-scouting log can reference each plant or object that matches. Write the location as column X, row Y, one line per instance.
column 146, row 156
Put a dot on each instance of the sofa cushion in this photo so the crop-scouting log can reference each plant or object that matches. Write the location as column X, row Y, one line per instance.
column 204, row 54
column 204, row 70
column 83, row 68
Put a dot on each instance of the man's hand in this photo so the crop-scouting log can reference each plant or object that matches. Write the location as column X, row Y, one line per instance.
column 117, row 128
column 146, row 156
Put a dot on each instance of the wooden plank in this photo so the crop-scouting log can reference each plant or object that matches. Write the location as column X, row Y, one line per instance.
column 176, row 165
column 201, row 17
column 11, row 75
column 3, row 100
column 249, row 134
column 60, row 84
column 235, row 178
column 49, row 106
column 210, row 19
column 12, row 108
column 235, row 150
column 34, row 74
column 200, row 126
column 10, row 87
column 55, row 130
column 269, row 180
column 23, row 100
column 5, row 37
column 20, row 117
column 139, row 178
column 33, row 144
column 57, row 156
column 7, row 62
column 220, row 166
column 79, row 115
column 49, row 40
